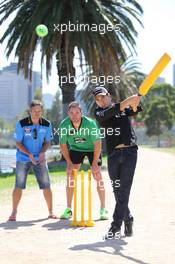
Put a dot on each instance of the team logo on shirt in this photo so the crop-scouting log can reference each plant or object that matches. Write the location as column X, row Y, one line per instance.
column 79, row 140
column 27, row 131
column 120, row 114
column 100, row 113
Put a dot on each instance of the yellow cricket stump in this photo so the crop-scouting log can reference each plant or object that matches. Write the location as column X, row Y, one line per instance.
column 75, row 195
column 83, row 222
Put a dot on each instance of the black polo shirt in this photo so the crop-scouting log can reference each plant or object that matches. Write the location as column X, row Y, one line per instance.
column 117, row 125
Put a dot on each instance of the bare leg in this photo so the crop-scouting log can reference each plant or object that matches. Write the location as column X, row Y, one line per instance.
column 101, row 192
column 48, row 197
column 70, row 186
column 16, row 197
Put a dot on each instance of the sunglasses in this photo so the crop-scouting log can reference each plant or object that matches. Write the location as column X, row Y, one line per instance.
column 34, row 133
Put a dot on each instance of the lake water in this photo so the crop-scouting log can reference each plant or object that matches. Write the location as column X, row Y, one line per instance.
column 8, row 158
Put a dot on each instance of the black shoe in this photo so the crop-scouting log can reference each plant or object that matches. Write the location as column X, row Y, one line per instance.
column 114, row 232
column 129, row 227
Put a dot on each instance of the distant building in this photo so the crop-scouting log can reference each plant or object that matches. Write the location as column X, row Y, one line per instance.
column 160, row 80
column 48, row 100
column 15, row 91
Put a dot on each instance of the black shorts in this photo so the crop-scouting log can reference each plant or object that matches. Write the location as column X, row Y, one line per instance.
column 77, row 157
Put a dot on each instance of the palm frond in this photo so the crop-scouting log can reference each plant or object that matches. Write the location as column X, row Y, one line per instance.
column 102, row 52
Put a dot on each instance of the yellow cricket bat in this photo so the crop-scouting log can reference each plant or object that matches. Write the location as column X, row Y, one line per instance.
column 154, row 74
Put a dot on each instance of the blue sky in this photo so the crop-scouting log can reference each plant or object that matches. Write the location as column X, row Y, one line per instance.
column 153, row 40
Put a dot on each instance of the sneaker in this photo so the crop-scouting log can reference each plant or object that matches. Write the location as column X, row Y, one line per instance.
column 113, row 233
column 128, row 229
column 67, row 214
column 103, row 214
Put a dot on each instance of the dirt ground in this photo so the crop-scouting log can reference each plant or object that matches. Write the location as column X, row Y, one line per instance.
column 37, row 240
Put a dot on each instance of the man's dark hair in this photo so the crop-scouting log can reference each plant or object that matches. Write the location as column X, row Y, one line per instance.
column 74, row 104
column 35, row 103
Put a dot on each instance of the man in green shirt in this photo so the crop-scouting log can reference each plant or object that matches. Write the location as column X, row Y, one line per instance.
column 82, row 135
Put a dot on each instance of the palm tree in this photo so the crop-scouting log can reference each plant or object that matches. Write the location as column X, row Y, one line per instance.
column 130, row 79
column 99, row 52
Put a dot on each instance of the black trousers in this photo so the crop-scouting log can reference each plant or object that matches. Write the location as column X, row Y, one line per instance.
column 121, row 168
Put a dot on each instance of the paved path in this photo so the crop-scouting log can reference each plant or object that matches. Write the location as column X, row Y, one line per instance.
column 34, row 239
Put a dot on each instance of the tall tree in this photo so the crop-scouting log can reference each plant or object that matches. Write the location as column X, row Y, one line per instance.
column 159, row 116
column 100, row 49
column 163, row 90
column 38, row 94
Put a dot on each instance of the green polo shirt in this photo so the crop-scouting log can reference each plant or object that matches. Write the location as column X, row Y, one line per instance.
column 80, row 139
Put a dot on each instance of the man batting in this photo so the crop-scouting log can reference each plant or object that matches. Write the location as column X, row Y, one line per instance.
column 122, row 153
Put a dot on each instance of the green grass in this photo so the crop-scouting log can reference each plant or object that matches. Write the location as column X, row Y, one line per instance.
column 7, row 183
column 56, row 173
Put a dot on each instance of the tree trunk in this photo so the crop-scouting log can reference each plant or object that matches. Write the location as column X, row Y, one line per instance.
column 158, row 141
column 66, row 73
